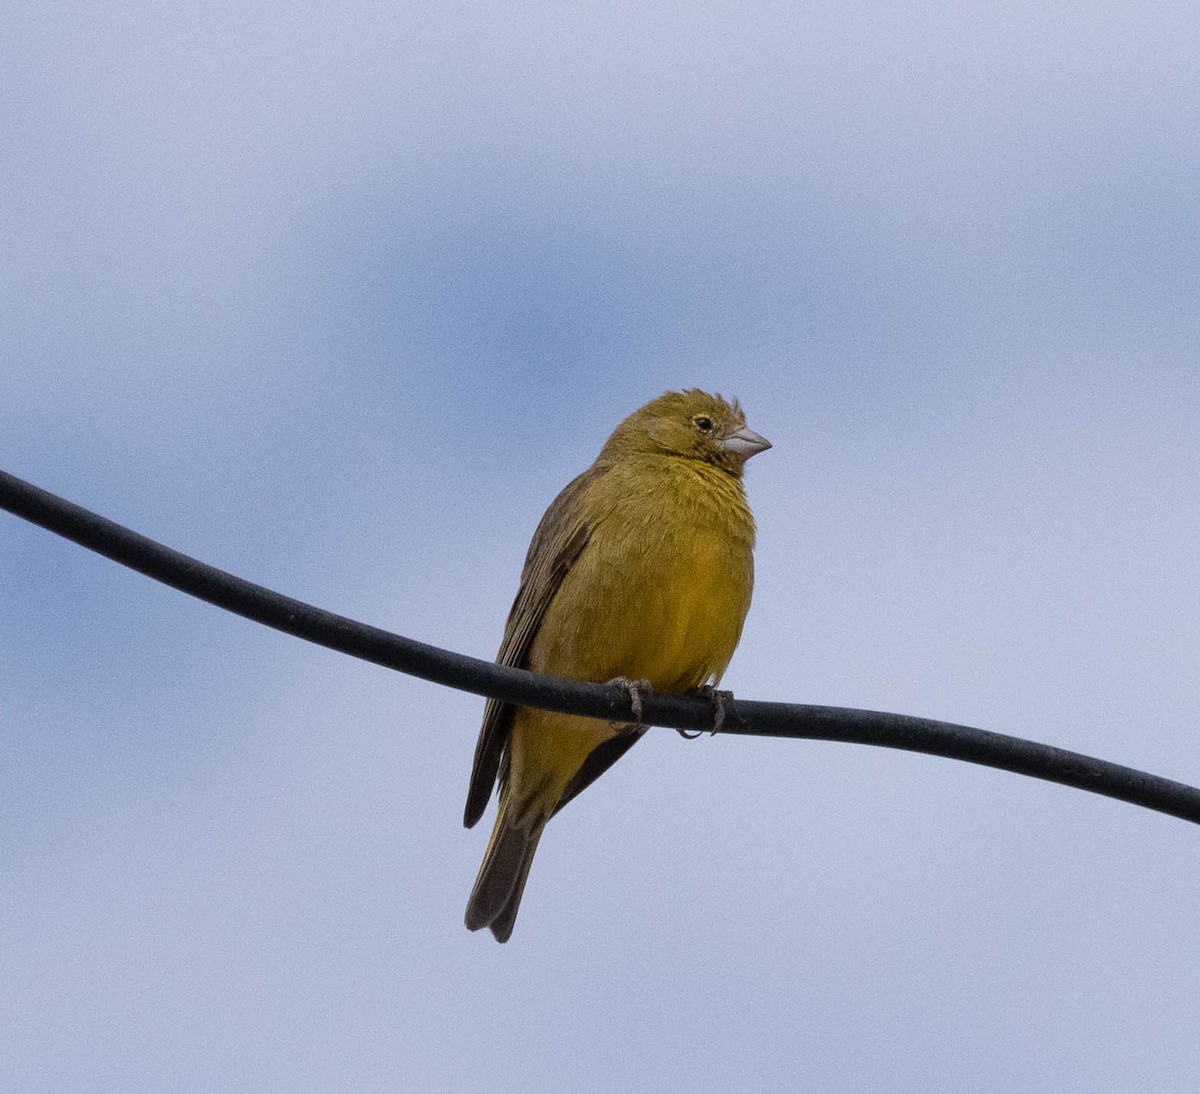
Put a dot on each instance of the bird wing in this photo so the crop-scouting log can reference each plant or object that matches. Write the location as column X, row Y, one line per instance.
column 599, row 760
column 557, row 543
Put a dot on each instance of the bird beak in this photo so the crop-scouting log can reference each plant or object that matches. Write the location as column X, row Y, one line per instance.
column 745, row 443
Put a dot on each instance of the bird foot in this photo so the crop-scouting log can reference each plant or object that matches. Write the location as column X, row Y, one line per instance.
column 636, row 689
column 717, row 699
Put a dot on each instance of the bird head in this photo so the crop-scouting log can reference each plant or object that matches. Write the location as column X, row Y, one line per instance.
column 690, row 424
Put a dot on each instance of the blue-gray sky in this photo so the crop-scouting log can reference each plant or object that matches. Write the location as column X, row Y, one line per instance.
column 337, row 297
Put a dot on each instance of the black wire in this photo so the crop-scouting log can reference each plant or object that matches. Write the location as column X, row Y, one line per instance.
column 596, row 700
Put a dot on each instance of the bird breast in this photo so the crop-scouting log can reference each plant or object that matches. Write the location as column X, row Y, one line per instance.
column 662, row 588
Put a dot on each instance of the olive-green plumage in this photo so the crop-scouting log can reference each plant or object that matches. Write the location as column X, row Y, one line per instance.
column 641, row 568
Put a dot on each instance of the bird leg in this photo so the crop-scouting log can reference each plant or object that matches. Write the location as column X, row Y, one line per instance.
column 717, row 699
column 636, row 689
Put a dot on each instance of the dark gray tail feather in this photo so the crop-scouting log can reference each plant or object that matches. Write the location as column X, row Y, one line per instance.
column 501, row 881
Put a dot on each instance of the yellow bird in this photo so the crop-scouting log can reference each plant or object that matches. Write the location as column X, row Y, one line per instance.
column 641, row 570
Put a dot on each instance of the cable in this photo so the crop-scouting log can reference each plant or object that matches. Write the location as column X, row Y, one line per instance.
column 605, row 701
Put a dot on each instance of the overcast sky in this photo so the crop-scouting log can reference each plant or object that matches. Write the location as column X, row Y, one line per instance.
column 338, row 296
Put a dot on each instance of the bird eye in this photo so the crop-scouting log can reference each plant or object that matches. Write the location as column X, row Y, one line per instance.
column 703, row 424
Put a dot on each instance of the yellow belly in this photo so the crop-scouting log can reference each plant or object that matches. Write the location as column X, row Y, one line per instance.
column 673, row 620
column 649, row 598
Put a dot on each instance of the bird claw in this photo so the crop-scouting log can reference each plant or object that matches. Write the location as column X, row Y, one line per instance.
column 636, row 689
column 717, row 699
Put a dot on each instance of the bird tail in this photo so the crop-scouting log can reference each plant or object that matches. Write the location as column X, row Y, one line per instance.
column 501, row 881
